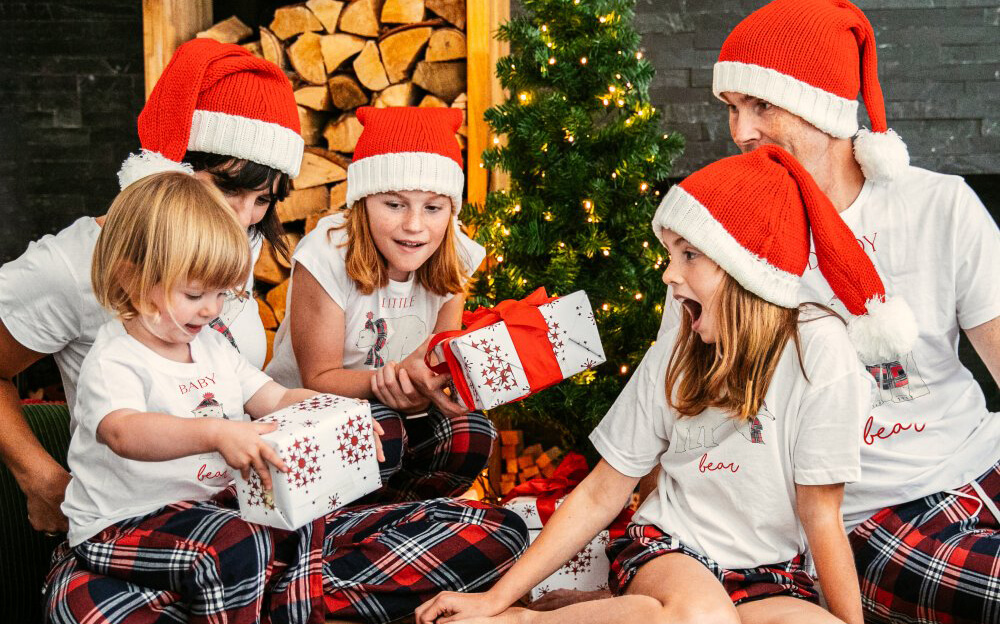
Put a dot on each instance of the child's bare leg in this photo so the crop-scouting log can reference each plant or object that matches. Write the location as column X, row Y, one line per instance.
column 672, row 589
column 784, row 610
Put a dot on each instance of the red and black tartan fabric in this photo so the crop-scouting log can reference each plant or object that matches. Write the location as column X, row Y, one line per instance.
column 199, row 554
column 933, row 560
column 644, row 542
column 382, row 562
column 378, row 563
column 431, row 456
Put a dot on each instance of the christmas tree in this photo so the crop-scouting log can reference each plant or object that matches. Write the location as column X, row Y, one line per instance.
column 587, row 159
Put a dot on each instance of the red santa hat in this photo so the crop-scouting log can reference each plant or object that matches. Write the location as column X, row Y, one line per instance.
column 754, row 215
column 406, row 148
column 217, row 98
column 811, row 57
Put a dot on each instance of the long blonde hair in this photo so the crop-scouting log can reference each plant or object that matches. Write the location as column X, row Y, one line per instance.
column 442, row 273
column 734, row 373
column 164, row 230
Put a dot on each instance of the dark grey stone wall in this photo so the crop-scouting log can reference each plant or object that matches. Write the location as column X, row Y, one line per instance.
column 939, row 66
column 71, row 87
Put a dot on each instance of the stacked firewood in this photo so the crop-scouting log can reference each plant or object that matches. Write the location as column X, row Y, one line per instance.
column 340, row 56
column 522, row 463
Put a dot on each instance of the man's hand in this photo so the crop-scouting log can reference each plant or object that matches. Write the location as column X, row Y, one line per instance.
column 45, row 494
column 429, row 384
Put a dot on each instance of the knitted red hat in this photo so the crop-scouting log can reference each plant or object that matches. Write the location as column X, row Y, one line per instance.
column 811, row 57
column 753, row 215
column 217, row 98
column 407, row 149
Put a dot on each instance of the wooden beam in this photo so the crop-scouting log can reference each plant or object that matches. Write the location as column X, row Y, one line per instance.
column 483, row 19
column 166, row 24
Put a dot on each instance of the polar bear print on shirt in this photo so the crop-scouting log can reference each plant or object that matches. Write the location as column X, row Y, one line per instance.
column 390, row 339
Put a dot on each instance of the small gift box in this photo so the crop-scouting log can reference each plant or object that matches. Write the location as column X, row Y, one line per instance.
column 518, row 348
column 328, row 444
column 535, row 501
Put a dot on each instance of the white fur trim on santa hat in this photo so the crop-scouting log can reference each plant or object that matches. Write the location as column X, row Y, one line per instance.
column 259, row 141
column 681, row 212
column 146, row 163
column 885, row 333
column 405, row 171
column 830, row 113
column 882, row 155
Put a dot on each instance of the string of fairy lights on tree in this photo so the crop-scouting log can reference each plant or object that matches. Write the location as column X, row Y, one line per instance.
column 586, row 157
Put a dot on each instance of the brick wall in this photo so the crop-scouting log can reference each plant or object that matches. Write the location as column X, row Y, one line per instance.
column 71, row 86
column 939, row 65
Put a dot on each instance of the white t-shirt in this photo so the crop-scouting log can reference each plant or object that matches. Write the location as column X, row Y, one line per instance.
column 122, row 373
column 727, row 488
column 386, row 325
column 928, row 430
column 47, row 302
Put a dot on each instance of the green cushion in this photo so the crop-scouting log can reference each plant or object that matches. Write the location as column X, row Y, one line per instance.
column 24, row 552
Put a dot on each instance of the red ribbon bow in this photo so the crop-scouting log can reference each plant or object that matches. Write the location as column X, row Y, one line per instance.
column 528, row 331
column 569, row 474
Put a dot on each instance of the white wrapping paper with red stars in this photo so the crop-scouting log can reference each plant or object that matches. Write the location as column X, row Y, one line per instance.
column 519, row 348
column 328, row 444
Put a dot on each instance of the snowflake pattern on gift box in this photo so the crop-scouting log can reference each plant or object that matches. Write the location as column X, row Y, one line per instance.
column 317, row 403
column 603, row 538
column 334, row 501
column 542, row 590
column 256, row 495
column 555, row 337
column 354, row 440
column 581, row 563
column 497, row 374
column 303, row 459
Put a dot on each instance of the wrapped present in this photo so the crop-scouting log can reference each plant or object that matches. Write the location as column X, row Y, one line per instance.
column 328, row 444
column 535, row 501
column 518, row 348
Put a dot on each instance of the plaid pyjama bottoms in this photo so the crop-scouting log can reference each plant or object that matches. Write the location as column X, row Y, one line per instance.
column 377, row 564
column 933, row 560
column 430, row 456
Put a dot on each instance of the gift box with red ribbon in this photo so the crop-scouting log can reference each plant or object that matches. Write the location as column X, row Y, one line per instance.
column 518, row 348
column 328, row 444
column 537, row 499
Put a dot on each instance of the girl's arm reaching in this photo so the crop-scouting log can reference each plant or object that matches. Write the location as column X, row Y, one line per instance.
column 151, row 436
column 818, row 508
column 422, row 379
column 317, row 332
column 272, row 397
column 584, row 513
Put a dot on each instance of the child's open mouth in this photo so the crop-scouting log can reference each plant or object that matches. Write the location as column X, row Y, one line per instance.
column 409, row 245
column 693, row 308
column 193, row 329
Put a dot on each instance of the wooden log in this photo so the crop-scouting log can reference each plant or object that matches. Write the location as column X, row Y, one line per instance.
column 166, row 24
column 266, row 269
column 274, row 51
column 230, row 30
column 291, row 242
column 510, row 465
column 402, row 11
column 267, row 316
column 548, row 471
column 269, row 335
column 360, row 18
column 276, row 299
column 530, row 473
column 397, row 95
column 311, row 124
column 294, row 20
column 533, row 451
column 524, row 461
column 369, row 69
column 342, row 134
column 338, row 196
column 338, row 159
column 338, row 48
column 327, row 12
column 315, row 98
column 314, row 218
column 306, row 57
column 317, row 170
column 511, row 437
column 345, row 92
column 461, row 102
column 253, row 47
column 432, row 101
column 301, row 203
column 399, row 52
column 445, row 80
column 451, row 10
column 446, row 44
column 549, row 457
column 509, row 452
